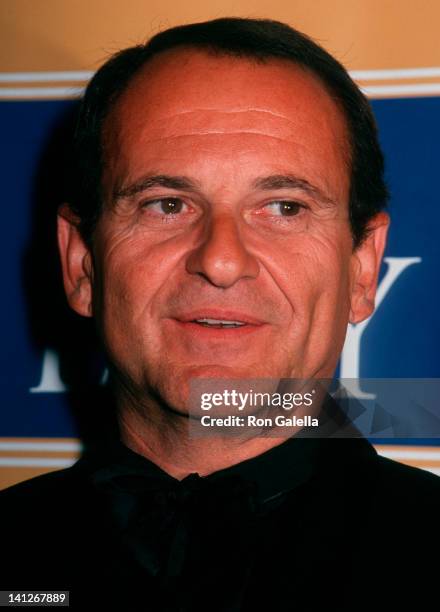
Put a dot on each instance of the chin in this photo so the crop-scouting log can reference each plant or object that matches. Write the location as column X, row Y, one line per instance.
column 175, row 391
column 219, row 371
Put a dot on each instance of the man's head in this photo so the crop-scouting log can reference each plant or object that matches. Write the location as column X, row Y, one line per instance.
column 226, row 171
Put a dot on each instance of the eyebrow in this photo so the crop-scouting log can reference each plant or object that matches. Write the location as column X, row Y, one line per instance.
column 267, row 183
column 158, row 180
column 290, row 181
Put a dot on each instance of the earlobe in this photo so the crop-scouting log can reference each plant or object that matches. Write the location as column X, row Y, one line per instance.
column 365, row 266
column 76, row 261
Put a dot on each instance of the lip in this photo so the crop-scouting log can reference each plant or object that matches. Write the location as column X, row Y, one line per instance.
column 204, row 333
column 185, row 323
column 220, row 315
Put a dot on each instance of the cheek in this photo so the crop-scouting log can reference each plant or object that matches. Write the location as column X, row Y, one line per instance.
column 134, row 273
column 330, row 297
column 322, row 304
column 120, row 277
column 313, row 271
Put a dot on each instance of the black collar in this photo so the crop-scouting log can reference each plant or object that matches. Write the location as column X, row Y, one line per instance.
column 272, row 473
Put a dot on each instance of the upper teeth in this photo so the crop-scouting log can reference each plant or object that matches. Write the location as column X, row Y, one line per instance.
column 219, row 322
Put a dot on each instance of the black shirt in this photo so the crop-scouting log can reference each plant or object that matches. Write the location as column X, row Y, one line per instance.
column 308, row 525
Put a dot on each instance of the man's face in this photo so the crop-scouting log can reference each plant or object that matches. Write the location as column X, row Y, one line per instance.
column 226, row 199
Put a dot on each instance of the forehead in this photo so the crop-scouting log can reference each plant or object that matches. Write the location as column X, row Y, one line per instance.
column 186, row 95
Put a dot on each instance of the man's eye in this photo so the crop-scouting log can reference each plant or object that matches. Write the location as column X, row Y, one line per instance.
column 284, row 208
column 167, row 206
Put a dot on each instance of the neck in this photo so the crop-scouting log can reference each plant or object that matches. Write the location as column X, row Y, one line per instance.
column 162, row 436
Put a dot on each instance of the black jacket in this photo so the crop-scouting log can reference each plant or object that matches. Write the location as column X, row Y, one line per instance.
column 324, row 525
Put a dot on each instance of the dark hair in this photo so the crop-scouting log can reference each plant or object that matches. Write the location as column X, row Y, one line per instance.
column 258, row 39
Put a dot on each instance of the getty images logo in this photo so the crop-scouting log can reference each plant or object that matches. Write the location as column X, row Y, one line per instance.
column 50, row 381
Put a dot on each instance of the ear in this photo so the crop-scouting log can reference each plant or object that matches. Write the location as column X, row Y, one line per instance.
column 365, row 266
column 76, row 261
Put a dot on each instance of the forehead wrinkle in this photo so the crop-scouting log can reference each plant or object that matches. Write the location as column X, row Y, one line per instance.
column 238, row 122
column 230, row 111
column 234, row 116
column 284, row 140
column 320, row 192
column 252, row 121
column 215, row 132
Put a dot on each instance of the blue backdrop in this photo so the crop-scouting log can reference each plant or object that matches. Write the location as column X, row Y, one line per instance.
column 47, row 350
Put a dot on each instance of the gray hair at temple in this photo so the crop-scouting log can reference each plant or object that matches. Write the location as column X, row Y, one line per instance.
column 256, row 39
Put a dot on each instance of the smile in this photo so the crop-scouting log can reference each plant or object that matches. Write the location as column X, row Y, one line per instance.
column 218, row 323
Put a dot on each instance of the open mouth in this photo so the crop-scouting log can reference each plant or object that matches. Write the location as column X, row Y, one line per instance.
column 218, row 323
column 215, row 323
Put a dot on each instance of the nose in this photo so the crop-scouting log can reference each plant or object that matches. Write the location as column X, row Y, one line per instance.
column 222, row 258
